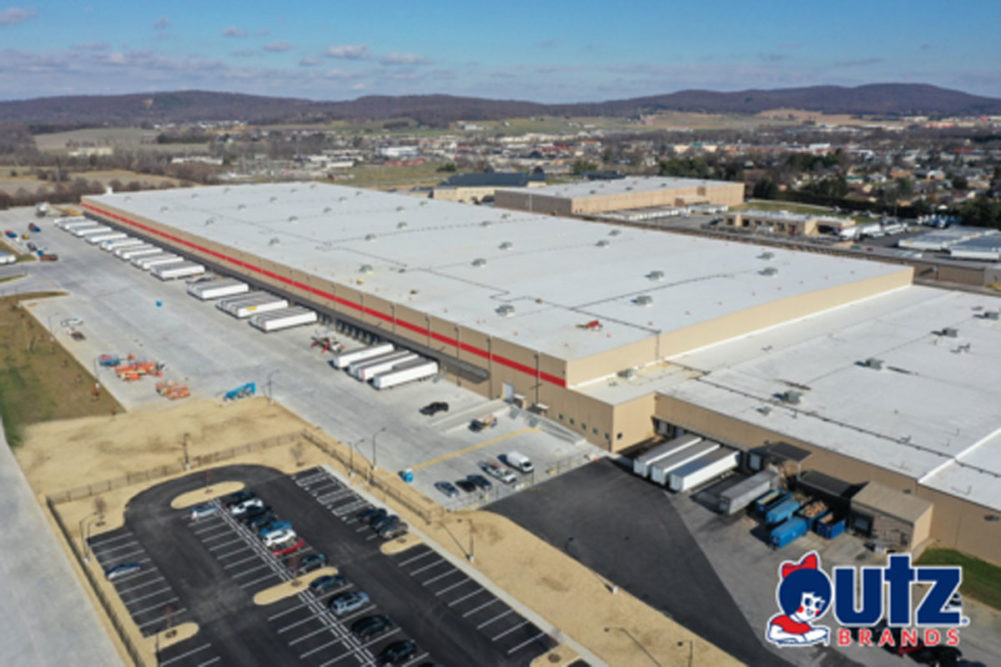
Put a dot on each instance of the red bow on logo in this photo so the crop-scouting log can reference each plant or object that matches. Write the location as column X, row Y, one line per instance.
column 809, row 562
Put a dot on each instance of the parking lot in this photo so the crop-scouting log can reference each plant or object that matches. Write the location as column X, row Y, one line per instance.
column 208, row 570
column 127, row 311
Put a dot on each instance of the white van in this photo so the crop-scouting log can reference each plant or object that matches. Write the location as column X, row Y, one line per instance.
column 519, row 462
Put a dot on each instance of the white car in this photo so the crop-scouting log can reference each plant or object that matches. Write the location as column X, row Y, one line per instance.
column 202, row 511
column 955, row 603
column 497, row 472
column 241, row 509
column 279, row 537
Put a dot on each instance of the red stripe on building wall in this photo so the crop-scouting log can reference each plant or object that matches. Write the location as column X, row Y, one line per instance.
column 451, row 342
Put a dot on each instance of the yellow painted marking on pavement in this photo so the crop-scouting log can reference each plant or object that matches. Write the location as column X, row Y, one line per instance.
column 473, row 448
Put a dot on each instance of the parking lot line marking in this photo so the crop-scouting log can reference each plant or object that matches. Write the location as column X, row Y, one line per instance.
column 185, row 655
column 339, row 658
column 237, row 562
column 148, row 595
column 109, row 540
column 381, row 637
column 318, row 649
column 473, row 448
column 158, row 605
column 441, row 576
column 478, row 590
column 233, row 553
column 253, row 569
column 222, row 533
column 226, row 544
column 128, row 555
column 525, row 643
column 482, row 606
column 428, row 566
column 416, row 659
column 207, row 528
column 358, row 614
column 126, row 545
column 287, row 611
column 363, row 528
column 510, row 630
column 451, row 586
column 298, row 623
column 497, row 617
column 417, row 557
column 209, row 662
column 154, row 580
column 129, row 577
column 260, row 579
column 325, row 628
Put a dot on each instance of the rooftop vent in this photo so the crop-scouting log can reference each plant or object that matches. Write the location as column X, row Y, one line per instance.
column 655, row 275
column 342, row 199
column 327, row 209
column 293, row 218
column 602, row 243
column 399, row 208
column 209, row 221
column 479, row 261
column 615, row 232
column 505, row 216
column 768, row 271
column 163, row 208
column 370, row 237
column 628, row 373
column 486, row 223
column 273, row 199
column 592, row 192
column 274, row 240
column 401, row 224
column 506, row 310
column 423, row 203
column 643, row 300
column 792, row 397
column 874, row 363
column 991, row 315
column 194, row 195
column 241, row 206
column 766, row 255
column 365, row 268
column 950, row 332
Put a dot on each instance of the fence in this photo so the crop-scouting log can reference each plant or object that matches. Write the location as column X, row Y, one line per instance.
column 174, row 468
column 130, row 648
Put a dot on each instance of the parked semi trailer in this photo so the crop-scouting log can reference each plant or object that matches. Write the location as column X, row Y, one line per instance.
column 137, row 251
column 661, row 469
column 378, row 364
column 641, row 464
column 218, row 288
column 782, row 511
column 740, row 495
column 703, row 469
column 97, row 239
column 248, row 304
column 345, row 359
column 163, row 259
column 84, row 232
column 127, row 242
column 76, row 223
column 415, row 370
column 283, row 319
column 174, row 271
column 788, row 531
column 369, row 372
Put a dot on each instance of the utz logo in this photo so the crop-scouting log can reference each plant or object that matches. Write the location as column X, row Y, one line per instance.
column 805, row 593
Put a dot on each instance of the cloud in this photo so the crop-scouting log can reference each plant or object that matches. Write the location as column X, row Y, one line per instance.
column 277, row 47
column 789, row 47
column 926, row 47
column 263, row 32
column 243, row 53
column 404, row 59
column 233, row 31
column 309, row 61
column 339, row 74
column 862, row 62
column 161, row 23
column 91, row 46
column 15, row 15
column 773, row 57
column 348, row 51
column 546, row 44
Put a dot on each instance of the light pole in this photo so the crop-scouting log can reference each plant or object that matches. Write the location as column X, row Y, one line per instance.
column 351, row 457
column 635, row 641
column 271, row 396
column 375, row 437
column 83, row 536
column 471, row 556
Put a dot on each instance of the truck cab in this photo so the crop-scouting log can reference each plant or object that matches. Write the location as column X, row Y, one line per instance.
column 519, row 462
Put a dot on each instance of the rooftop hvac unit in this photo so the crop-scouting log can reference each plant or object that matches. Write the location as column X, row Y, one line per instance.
column 401, row 224
column 273, row 199
column 627, row 373
column 643, row 300
column 399, row 208
column 506, row 310
column 602, row 243
column 791, row 397
column 655, row 275
column 874, row 363
column 486, row 223
column 991, row 315
column 479, row 261
column 365, row 268
column 766, row 255
column 506, row 245
column 950, row 332
column 164, row 208
column 209, row 221
column 615, row 232
column 293, row 218
column 274, row 241
column 240, row 207
column 768, row 271
column 370, row 237
column 505, row 216
column 327, row 209
column 194, row 195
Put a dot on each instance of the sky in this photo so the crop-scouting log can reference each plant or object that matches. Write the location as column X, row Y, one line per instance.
column 544, row 51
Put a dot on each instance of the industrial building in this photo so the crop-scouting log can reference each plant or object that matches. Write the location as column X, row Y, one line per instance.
column 480, row 187
column 784, row 222
column 605, row 196
column 620, row 334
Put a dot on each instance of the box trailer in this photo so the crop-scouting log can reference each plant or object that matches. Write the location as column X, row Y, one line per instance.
column 84, row 232
column 97, row 239
column 174, row 271
column 378, row 364
column 245, row 305
column 742, row 494
column 788, row 531
column 383, row 367
column 409, row 372
column 283, row 319
column 345, row 359
column 69, row 223
column 217, row 289
column 703, row 469
column 163, row 259
column 137, row 251
column 828, row 525
column 782, row 511
column 127, row 242
column 79, row 223
column 661, row 469
column 641, row 464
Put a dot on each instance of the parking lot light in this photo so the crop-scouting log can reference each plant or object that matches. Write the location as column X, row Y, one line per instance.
column 351, row 457
column 375, row 436
column 83, row 536
column 471, row 556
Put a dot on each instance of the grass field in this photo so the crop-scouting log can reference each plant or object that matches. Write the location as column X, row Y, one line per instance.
column 380, row 176
column 39, row 380
column 123, row 138
column 981, row 580
column 792, row 207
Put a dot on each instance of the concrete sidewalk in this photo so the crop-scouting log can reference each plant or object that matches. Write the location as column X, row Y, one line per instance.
column 48, row 617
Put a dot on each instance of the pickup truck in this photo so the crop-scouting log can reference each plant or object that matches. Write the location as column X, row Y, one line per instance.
column 484, row 422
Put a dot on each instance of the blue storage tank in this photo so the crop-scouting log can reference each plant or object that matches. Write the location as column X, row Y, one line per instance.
column 788, row 531
column 779, row 513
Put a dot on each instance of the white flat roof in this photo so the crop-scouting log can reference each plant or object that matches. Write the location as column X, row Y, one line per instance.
column 619, row 186
column 931, row 414
column 555, row 274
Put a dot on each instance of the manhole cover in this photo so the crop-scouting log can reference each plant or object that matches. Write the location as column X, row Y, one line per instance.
column 555, row 657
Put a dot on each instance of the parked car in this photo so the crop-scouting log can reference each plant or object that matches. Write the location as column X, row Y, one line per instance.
column 397, row 653
column 121, row 570
column 388, row 520
column 518, row 461
column 370, row 626
column 465, row 485
column 255, row 512
column 273, row 527
column 447, row 488
column 327, row 583
column 261, row 521
column 955, row 603
column 431, row 409
column 289, row 547
column 242, row 508
column 499, row 473
column 312, row 562
column 393, row 530
column 370, row 513
column 480, row 481
column 345, row 603
column 237, row 498
column 202, row 511
column 278, row 537
column 482, row 423
column 376, row 516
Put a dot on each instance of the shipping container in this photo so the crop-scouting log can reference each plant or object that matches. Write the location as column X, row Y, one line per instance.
column 127, row 242
column 409, row 372
column 216, row 289
column 97, row 239
column 788, row 531
column 84, row 232
column 703, row 469
column 369, row 372
column 378, row 364
column 661, row 469
column 285, row 318
column 641, row 464
column 69, row 223
column 742, row 494
column 137, row 251
column 345, row 359
column 251, row 303
column 828, row 525
column 782, row 511
column 770, row 499
column 163, row 259
column 174, row 271
column 78, row 223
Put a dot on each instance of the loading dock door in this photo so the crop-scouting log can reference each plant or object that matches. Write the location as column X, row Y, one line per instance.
column 508, row 392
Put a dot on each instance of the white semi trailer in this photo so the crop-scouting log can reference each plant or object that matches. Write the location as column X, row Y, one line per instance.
column 415, row 370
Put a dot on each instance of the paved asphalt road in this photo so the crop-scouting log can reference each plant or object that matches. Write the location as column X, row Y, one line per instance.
column 238, row 630
column 627, row 530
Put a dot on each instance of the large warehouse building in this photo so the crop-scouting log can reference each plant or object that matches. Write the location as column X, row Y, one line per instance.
column 622, row 333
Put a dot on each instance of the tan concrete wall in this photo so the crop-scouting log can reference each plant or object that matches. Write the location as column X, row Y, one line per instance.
column 612, row 361
column 729, row 194
column 528, row 201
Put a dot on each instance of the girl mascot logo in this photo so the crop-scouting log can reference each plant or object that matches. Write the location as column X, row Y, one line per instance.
column 804, row 595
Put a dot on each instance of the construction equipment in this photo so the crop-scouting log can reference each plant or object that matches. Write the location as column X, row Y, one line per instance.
column 484, row 422
column 326, row 344
column 172, row 390
column 248, row 389
column 136, row 369
column 112, row 360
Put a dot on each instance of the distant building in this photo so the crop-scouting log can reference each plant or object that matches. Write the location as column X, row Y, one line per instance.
column 784, row 222
column 478, row 187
